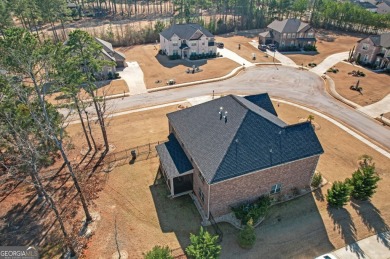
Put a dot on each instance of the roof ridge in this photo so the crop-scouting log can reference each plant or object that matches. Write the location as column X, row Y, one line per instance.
column 296, row 124
column 227, row 150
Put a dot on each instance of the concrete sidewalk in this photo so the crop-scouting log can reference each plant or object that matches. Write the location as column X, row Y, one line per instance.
column 374, row 247
column 329, row 62
column 134, row 78
column 236, row 58
column 378, row 108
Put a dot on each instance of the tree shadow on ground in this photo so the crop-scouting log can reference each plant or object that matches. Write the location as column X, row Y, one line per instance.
column 178, row 215
column 294, row 228
column 343, row 223
column 319, row 195
column 371, row 217
column 166, row 62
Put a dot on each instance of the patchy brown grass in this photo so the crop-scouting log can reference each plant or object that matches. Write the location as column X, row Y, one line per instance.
column 145, row 217
column 375, row 86
column 113, row 87
column 160, row 69
column 246, row 49
column 341, row 43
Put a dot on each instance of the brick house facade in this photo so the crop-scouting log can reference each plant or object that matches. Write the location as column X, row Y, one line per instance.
column 374, row 50
column 233, row 149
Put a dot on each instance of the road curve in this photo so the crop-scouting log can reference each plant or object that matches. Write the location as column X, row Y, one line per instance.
column 298, row 86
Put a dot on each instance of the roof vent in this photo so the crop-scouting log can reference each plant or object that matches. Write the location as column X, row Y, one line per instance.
column 225, row 116
column 220, row 112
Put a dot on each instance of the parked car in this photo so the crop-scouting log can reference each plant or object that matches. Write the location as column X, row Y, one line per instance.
column 262, row 47
column 271, row 47
column 171, row 82
column 220, row 45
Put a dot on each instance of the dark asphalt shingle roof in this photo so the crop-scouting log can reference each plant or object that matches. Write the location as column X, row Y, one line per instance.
column 188, row 31
column 289, row 25
column 242, row 144
column 263, row 101
column 173, row 157
column 382, row 40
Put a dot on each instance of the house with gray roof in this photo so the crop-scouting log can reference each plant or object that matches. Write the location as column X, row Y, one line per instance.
column 374, row 50
column 234, row 149
column 289, row 33
column 184, row 40
column 113, row 55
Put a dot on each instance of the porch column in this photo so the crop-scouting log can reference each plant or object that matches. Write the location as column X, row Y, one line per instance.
column 172, row 187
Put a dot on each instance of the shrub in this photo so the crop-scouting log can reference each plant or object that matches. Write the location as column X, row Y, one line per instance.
column 316, row 180
column 203, row 245
column 310, row 48
column 110, row 76
column 159, row 252
column 339, row 194
column 247, row 236
column 295, row 191
column 364, row 182
column 116, row 75
column 253, row 211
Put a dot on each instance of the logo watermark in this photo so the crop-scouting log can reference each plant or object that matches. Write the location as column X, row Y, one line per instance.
column 18, row 252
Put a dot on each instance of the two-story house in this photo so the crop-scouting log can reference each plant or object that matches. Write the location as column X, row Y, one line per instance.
column 374, row 50
column 289, row 32
column 185, row 40
column 234, row 149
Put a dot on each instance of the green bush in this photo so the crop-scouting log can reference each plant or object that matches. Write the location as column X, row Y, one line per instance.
column 364, row 182
column 253, row 211
column 339, row 194
column 316, row 180
column 310, row 48
column 203, row 246
column 247, row 236
column 159, row 252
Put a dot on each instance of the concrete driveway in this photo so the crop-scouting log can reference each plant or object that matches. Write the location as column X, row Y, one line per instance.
column 236, row 58
column 134, row 78
column 329, row 62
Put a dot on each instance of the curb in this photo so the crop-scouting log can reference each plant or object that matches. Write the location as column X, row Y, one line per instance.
column 233, row 73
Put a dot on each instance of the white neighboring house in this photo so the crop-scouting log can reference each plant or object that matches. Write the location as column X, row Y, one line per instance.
column 187, row 39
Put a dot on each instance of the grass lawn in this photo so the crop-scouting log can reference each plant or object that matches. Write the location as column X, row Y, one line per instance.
column 375, row 86
column 341, row 42
column 231, row 42
column 113, row 87
column 158, row 69
column 301, row 228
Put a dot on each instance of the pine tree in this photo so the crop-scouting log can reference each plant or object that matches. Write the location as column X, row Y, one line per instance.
column 203, row 246
column 364, row 182
column 247, row 236
column 339, row 194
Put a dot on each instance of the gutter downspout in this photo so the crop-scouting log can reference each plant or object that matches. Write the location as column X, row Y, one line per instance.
column 208, row 204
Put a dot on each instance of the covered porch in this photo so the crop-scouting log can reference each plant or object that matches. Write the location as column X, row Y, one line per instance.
column 175, row 167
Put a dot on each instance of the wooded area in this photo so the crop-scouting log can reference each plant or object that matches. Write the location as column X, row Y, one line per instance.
column 219, row 16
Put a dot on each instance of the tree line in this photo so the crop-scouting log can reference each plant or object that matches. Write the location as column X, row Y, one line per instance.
column 32, row 131
column 219, row 16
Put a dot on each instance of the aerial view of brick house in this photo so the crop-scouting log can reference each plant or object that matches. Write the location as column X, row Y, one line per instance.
column 287, row 33
column 187, row 39
column 234, row 149
column 374, row 50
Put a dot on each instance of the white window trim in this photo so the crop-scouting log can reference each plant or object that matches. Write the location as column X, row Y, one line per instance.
column 276, row 188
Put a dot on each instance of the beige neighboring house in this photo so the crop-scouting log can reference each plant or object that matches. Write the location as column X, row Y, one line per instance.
column 185, row 40
column 288, row 33
column 374, row 50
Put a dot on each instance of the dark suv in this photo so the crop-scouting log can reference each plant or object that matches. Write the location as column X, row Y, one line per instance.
column 219, row 45
column 271, row 47
column 262, row 47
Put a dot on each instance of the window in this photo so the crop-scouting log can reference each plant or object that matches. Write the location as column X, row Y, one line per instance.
column 175, row 43
column 301, row 35
column 193, row 51
column 276, row 188
column 284, row 35
column 175, row 52
column 201, row 195
column 365, row 58
column 193, row 43
column 201, row 177
column 288, row 35
column 365, row 46
column 293, row 35
column 203, row 43
column 310, row 35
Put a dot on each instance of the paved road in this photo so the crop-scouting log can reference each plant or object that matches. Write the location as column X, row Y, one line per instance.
column 288, row 83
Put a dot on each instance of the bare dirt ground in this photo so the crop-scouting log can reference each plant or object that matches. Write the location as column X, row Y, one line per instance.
column 246, row 50
column 341, row 42
column 303, row 228
column 158, row 68
column 387, row 115
column 375, row 86
column 113, row 87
